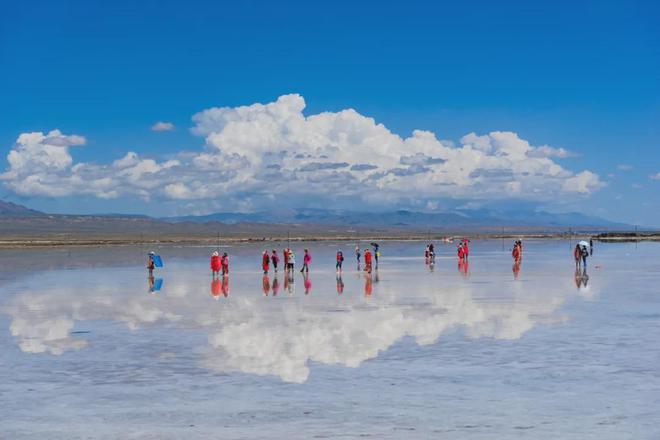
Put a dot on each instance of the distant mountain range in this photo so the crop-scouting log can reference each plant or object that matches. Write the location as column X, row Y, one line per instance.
column 407, row 219
column 12, row 209
column 18, row 220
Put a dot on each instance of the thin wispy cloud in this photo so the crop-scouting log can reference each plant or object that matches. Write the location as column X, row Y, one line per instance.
column 162, row 126
column 624, row 167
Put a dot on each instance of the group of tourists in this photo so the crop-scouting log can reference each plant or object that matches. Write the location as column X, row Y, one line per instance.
column 220, row 263
column 289, row 257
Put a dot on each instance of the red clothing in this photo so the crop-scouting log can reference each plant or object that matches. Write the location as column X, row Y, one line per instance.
column 265, row 262
column 286, row 257
column 275, row 259
column 307, row 258
column 516, row 253
column 215, row 263
column 367, row 257
column 461, row 253
column 216, row 288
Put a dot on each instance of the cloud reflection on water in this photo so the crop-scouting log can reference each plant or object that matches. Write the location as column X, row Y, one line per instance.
column 280, row 335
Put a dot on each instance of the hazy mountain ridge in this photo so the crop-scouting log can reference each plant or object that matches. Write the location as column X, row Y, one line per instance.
column 405, row 218
column 17, row 220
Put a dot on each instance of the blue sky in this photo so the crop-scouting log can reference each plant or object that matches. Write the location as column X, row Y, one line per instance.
column 583, row 77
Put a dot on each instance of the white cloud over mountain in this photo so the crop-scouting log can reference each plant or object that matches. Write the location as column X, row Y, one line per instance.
column 258, row 152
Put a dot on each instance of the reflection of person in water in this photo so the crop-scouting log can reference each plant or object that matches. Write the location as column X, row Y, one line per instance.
column 581, row 278
column 225, row 286
column 464, row 267
column 289, row 284
column 216, row 288
column 266, row 284
column 307, row 283
column 155, row 284
column 340, row 284
column 276, row 286
column 368, row 284
column 516, row 269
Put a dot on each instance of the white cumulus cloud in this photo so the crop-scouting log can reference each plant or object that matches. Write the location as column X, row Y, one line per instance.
column 255, row 153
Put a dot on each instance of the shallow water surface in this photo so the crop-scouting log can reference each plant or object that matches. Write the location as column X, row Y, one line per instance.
column 93, row 348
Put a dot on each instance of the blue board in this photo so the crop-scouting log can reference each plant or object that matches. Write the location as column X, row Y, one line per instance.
column 158, row 262
column 158, row 284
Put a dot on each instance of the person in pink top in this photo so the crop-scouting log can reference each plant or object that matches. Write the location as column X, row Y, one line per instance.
column 466, row 248
column 307, row 259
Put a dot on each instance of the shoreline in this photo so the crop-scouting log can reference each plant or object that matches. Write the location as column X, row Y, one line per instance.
column 18, row 242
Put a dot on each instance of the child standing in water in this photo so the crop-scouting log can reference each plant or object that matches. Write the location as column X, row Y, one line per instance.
column 357, row 254
column 340, row 260
column 307, row 259
column 275, row 259
column 285, row 254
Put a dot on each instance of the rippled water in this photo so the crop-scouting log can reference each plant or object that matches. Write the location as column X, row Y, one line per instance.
column 91, row 348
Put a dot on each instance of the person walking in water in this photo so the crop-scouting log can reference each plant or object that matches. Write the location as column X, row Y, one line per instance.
column 516, row 253
column 151, row 264
column 225, row 264
column 216, row 264
column 357, row 254
column 275, row 259
column 292, row 260
column 577, row 255
column 340, row 260
column 460, row 250
column 307, row 260
column 584, row 254
column 285, row 254
column 466, row 248
column 376, row 254
column 265, row 262
column 367, row 260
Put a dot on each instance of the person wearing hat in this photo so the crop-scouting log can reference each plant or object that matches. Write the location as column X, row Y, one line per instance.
column 216, row 264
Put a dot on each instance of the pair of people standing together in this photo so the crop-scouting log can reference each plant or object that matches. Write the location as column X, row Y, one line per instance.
column 289, row 260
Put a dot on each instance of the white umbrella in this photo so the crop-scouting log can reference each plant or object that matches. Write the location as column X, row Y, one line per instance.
column 583, row 243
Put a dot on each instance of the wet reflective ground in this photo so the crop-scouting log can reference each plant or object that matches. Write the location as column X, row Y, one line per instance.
column 93, row 348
